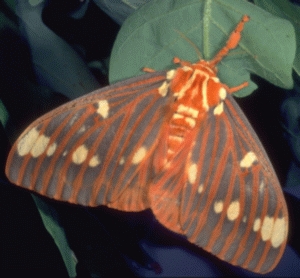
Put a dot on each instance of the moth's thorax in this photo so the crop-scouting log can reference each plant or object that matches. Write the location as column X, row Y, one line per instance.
column 196, row 89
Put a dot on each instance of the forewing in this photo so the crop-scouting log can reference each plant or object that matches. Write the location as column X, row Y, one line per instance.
column 90, row 150
column 226, row 198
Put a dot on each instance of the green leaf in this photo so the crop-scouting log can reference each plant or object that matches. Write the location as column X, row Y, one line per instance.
column 3, row 114
column 150, row 38
column 50, row 219
column 289, row 11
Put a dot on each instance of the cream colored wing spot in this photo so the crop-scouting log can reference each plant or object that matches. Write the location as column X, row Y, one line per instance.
column 94, row 161
column 80, row 155
column 51, row 149
column 233, row 210
column 222, row 93
column 82, row 129
column 256, row 224
column 192, row 173
column 200, row 188
column 26, row 143
column 103, row 108
column 122, row 160
column 40, row 145
column 163, row 89
column 73, row 120
column 279, row 234
column 65, row 153
column 262, row 187
column 170, row 74
column 219, row 109
column 248, row 160
column 267, row 228
column 218, row 206
column 139, row 155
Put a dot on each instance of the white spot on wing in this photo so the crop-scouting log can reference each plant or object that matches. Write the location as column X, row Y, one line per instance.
column 218, row 206
column 94, row 161
column 233, row 210
column 27, row 141
column 73, row 120
column 248, row 160
column 40, row 145
column 279, row 232
column 262, row 187
column 51, row 149
column 170, row 74
column 267, row 228
column 139, row 155
column 256, row 224
column 222, row 93
column 122, row 160
column 80, row 154
column 200, row 188
column 192, row 173
column 219, row 109
column 82, row 129
column 163, row 89
column 103, row 108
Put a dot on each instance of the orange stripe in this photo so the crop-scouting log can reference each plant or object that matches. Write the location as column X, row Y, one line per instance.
column 209, row 186
column 186, row 215
column 46, row 178
column 128, row 165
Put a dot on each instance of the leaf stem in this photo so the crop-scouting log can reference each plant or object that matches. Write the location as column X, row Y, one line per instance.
column 206, row 18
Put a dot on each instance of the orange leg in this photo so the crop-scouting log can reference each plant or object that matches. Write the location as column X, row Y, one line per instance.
column 236, row 88
column 148, row 70
column 177, row 60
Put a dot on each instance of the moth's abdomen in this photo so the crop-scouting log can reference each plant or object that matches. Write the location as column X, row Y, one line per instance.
column 182, row 122
column 190, row 86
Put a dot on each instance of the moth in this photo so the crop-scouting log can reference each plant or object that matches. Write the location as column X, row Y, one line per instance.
column 174, row 141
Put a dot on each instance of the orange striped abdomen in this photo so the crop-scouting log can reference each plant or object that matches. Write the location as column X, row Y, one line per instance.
column 192, row 102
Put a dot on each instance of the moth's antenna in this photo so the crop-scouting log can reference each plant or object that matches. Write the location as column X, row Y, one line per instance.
column 199, row 54
column 232, row 41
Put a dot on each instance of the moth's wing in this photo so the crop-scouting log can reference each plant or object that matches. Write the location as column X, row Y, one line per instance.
column 90, row 150
column 226, row 198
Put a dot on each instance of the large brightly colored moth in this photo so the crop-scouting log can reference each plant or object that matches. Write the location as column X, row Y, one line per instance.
column 173, row 141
